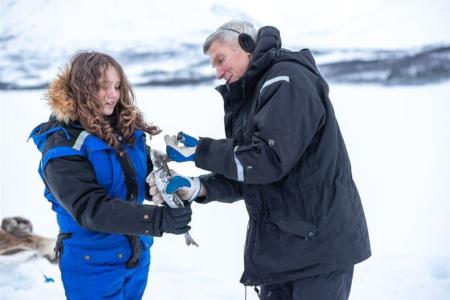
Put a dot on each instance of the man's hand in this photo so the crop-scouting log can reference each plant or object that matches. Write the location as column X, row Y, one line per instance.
column 187, row 188
column 181, row 153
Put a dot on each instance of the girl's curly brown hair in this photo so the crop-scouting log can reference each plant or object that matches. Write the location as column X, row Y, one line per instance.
column 85, row 70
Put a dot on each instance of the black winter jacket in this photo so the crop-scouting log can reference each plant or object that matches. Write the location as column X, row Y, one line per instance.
column 285, row 156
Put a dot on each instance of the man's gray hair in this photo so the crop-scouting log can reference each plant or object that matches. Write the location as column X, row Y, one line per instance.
column 229, row 32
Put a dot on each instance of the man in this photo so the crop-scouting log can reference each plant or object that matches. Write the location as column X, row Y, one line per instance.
column 285, row 156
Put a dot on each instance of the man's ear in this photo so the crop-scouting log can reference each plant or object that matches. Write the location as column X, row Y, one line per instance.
column 246, row 42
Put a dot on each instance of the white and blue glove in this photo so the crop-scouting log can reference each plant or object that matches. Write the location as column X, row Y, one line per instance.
column 187, row 188
column 181, row 153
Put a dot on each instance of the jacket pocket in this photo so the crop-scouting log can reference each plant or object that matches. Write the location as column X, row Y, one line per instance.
column 80, row 257
column 294, row 225
column 281, row 244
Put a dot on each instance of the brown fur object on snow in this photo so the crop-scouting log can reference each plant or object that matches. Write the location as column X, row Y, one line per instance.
column 16, row 235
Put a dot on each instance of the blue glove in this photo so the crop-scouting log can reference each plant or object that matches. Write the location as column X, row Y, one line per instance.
column 181, row 153
column 187, row 188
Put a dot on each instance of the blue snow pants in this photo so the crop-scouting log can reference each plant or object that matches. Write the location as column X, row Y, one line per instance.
column 91, row 274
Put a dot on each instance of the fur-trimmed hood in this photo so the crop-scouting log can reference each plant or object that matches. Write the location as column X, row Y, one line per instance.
column 62, row 105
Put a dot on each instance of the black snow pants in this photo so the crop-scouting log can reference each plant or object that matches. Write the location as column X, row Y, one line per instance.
column 331, row 286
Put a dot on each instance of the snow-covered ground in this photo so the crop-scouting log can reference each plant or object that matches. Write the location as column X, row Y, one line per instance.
column 398, row 141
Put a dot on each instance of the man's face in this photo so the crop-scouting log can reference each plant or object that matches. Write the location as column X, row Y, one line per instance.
column 229, row 60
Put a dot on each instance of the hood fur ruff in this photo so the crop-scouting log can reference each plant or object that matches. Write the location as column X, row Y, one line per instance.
column 61, row 104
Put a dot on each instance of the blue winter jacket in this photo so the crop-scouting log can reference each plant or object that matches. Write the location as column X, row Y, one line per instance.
column 88, row 191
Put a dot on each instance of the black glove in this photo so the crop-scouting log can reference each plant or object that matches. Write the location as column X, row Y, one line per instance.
column 176, row 220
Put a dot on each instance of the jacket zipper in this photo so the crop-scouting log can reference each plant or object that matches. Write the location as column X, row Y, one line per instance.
column 244, row 122
column 264, row 209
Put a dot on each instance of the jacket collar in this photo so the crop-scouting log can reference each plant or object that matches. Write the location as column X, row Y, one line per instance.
column 61, row 103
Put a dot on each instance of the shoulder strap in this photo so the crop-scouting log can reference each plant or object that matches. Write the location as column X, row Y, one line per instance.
column 129, row 174
column 130, row 182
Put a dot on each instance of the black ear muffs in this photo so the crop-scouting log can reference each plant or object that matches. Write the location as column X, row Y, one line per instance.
column 246, row 42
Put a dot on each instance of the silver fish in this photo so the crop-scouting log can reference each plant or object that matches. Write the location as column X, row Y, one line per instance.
column 162, row 171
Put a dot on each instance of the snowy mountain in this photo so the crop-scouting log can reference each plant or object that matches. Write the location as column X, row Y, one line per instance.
column 186, row 66
column 159, row 43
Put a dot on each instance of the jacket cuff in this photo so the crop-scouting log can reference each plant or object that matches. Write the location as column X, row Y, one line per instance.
column 151, row 217
column 201, row 151
column 208, row 184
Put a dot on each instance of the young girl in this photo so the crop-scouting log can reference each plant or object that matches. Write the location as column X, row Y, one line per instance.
column 94, row 164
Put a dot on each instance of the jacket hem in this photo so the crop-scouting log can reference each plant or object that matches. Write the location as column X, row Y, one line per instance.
column 302, row 274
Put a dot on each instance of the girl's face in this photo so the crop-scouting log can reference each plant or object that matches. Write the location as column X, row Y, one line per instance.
column 108, row 91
